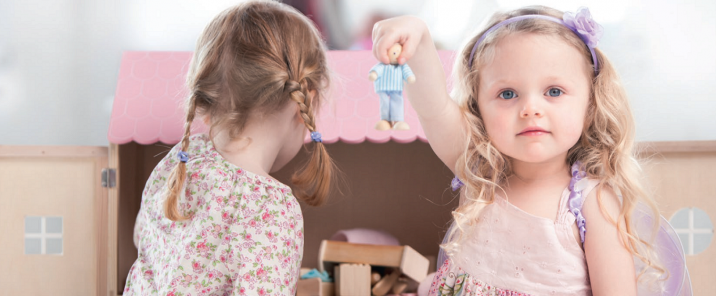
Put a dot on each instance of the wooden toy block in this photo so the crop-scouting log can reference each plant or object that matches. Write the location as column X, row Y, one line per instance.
column 352, row 279
column 409, row 261
column 400, row 286
column 383, row 286
column 314, row 287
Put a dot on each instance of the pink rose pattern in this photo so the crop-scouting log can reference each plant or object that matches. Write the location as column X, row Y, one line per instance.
column 244, row 237
column 450, row 281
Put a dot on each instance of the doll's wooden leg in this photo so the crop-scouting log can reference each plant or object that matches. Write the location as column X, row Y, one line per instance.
column 401, row 126
column 382, row 125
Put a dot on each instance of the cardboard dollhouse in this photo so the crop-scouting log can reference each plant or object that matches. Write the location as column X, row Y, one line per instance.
column 66, row 227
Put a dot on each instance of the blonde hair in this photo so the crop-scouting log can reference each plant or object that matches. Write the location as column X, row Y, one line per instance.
column 605, row 148
column 257, row 57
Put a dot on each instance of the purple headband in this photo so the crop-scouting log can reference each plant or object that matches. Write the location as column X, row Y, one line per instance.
column 580, row 23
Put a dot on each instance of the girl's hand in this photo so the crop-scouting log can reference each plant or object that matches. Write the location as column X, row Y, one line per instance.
column 407, row 31
column 440, row 117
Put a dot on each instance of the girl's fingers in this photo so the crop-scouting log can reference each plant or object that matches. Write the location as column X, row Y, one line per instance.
column 401, row 30
column 382, row 41
column 409, row 47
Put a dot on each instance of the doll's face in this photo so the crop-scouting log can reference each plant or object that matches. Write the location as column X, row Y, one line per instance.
column 394, row 52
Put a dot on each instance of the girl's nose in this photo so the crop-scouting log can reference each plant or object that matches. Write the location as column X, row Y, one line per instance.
column 530, row 110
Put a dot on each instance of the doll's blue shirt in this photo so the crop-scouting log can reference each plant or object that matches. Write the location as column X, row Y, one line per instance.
column 390, row 77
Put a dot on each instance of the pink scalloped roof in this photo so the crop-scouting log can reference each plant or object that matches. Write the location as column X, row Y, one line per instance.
column 148, row 104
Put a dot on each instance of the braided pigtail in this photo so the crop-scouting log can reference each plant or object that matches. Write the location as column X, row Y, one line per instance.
column 313, row 180
column 178, row 176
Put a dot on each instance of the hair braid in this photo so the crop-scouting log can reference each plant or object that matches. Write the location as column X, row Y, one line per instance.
column 178, row 176
column 313, row 180
column 298, row 93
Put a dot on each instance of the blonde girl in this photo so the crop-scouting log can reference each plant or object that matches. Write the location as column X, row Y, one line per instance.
column 540, row 131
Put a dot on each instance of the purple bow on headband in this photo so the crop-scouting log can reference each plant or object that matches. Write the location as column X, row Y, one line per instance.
column 581, row 23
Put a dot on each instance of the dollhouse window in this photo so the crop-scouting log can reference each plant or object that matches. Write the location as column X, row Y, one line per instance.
column 43, row 235
column 694, row 228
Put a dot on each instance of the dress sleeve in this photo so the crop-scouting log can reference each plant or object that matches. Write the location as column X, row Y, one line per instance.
column 154, row 185
column 138, row 227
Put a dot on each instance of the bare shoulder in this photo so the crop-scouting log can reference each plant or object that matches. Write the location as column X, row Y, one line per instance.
column 600, row 201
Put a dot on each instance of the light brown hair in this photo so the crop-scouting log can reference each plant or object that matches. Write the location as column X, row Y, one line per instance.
column 605, row 148
column 257, row 57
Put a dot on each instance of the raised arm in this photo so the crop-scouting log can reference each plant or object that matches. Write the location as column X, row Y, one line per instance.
column 441, row 118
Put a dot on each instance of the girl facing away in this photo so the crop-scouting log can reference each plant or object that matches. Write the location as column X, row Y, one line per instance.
column 212, row 221
column 540, row 131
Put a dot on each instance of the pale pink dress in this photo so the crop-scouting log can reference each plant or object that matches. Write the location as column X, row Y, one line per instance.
column 511, row 252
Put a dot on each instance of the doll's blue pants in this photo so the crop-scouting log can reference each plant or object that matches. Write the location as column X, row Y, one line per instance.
column 391, row 105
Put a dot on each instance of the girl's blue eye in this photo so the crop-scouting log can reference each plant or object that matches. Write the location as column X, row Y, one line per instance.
column 554, row 92
column 508, row 94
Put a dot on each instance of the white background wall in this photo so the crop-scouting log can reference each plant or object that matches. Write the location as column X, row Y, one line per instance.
column 59, row 59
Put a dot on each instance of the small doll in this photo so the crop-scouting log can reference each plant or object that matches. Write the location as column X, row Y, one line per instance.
column 388, row 82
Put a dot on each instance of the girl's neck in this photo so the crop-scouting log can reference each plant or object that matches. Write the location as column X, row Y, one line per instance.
column 254, row 152
column 261, row 146
column 548, row 171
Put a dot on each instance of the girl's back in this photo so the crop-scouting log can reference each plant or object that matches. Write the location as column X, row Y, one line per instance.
column 246, row 231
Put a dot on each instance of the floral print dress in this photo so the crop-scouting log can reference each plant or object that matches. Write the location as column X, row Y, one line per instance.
column 244, row 237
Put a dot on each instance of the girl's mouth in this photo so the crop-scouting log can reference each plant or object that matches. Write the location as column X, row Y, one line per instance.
column 533, row 131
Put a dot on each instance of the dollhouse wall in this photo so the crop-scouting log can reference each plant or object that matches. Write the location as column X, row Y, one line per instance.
column 681, row 175
column 53, row 212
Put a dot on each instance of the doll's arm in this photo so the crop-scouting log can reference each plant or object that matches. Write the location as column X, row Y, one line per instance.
column 441, row 118
column 408, row 74
column 376, row 71
column 611, row 265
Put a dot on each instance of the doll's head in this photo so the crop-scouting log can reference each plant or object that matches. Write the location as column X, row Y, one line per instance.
column 524, row 62
column 394, row 52
column 256, row 58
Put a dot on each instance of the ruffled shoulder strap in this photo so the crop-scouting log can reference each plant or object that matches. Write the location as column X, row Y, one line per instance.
column 579, row 188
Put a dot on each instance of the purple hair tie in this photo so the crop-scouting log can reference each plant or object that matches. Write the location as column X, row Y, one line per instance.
column 580, row 23
column 183, row 156
column 316, row 137
column 456, row 183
